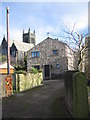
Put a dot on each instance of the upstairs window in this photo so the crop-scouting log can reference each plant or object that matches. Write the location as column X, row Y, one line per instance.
column 57, row 66
column 35, row 54
column 55, row 52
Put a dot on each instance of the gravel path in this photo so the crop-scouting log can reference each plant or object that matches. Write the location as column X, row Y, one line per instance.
column 46, row 101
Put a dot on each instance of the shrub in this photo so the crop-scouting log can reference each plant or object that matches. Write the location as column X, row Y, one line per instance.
column 33, row 70
column 88, row 88
column 20, row 67
column 21, row 72
column 40, row 71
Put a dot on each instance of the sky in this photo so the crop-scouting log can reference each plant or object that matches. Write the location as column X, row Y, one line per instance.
column 43, row 17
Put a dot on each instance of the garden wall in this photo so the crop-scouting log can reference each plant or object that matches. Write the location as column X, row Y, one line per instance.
column 76, row 95
column 28, row 81
column 3, row 85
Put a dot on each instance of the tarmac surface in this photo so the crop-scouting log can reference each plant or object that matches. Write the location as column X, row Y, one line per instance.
column 46, row 101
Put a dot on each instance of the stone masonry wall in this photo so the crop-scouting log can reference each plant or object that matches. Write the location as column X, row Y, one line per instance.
column 28, row 81
column 46, row 54
column 76, row 96
column 87, row 57
column 3, row 85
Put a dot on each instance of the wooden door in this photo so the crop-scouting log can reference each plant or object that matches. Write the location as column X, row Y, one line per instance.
column 47, row 71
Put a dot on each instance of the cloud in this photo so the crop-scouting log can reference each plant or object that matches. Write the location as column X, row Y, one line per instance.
column 45, row 1
column 1, row 33
column 40, row 25
column 80, row 21
column 15, row 34
column 41, row 33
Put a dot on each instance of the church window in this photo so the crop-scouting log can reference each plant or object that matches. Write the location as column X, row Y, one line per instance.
column 13, row 54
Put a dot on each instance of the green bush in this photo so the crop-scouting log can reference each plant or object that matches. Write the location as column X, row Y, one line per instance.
column 33, row 70
column 20, row 67
column 88, row 88
column 2, row 58
column 40, row 71
column 21, row 72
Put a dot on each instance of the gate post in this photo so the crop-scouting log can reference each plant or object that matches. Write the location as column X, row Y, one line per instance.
column 80, row 95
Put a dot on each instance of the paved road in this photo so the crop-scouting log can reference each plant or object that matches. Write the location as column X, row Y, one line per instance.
column 46, row 101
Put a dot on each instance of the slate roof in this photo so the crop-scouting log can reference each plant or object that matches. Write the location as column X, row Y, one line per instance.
column 22, row 46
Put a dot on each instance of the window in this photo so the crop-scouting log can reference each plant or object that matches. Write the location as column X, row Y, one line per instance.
column 55, row 52
column 13, row 54
column 32, row 54
column 35, row 54
column 57, row 66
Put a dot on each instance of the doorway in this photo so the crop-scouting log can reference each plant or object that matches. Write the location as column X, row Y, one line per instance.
column 47, row 71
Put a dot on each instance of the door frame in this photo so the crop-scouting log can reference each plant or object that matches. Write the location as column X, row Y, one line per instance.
column 48, row 76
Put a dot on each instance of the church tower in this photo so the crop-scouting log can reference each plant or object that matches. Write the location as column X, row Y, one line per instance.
column 29, row 37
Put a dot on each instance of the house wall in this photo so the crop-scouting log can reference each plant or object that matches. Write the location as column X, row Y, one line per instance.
column 87, row 57
column 17, row 56
column 72, row 58
column 4, row 70
column 46, row 56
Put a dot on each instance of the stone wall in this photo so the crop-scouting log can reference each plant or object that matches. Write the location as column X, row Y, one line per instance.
column 85, row 55
column 88, row 57
column 80, row 96
column 76, row 95
column 28, row 81
column 2, row 84
column 72, row 58
column 21, row 82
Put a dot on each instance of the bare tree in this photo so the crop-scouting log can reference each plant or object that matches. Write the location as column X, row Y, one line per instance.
column 74, row 38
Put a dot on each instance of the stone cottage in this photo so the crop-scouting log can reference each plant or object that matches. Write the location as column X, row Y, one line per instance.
column 85, row 55
column 52, row 56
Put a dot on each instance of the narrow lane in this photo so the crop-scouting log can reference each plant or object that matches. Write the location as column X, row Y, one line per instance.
column 46, row 101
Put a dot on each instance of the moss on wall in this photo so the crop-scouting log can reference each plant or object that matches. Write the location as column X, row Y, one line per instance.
column 80, row 96
column 30, row 80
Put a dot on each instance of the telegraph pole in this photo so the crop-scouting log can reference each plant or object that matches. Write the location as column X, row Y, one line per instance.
column 8, row 51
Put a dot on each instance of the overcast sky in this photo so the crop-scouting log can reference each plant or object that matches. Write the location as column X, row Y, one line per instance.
column 43, row 17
